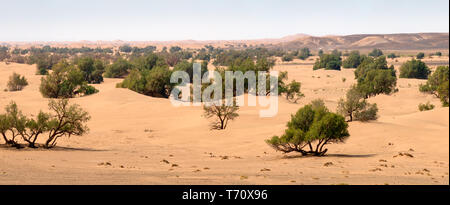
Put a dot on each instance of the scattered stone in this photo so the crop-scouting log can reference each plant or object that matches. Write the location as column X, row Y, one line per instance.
column 174, row 165
column 265, row 170
column 244, row 177
column 382, row 160
column 376, row 169
column 328, row 164
column 165, row 161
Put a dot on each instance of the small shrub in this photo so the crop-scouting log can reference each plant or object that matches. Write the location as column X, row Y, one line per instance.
column 426, row 107
column 16, row 82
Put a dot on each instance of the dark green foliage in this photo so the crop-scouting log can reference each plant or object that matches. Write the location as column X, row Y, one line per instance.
column 287, row 58
column 353, row 60
column 376, row 53
column 154, row 82
column 438, row 53
column 92, row 69
column 414, row 69
column 125, row 49
column 118, row 69
column 329, row 62
column 16, row 82
column 304, row 53
column 438, row 84
column 392, row 56
column 312, row 127
column 420, row 55
column 66, row 81
column 375, row 77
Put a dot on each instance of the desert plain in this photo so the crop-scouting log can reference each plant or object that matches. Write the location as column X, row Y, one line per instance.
column 137, row 139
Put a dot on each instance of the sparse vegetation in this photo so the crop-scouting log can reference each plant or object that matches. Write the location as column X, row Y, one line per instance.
column 331, row 61
column 312, row 127
column 353, row 60
column 426, row 107
column 16, row 82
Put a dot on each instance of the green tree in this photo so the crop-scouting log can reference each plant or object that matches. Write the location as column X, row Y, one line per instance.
column 376, row 53
column 420, row 55
column 118, row 69
column 414, row 69
column 224, row 113
column 92, row 69
column 438, row 84
column 374, row 77
column 293, row 91
column 66, row 81
column 311, row 127
column 329, row 62
column 304, row 53
column 353, row 60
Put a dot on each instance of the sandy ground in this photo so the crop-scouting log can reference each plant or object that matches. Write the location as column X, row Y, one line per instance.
column 148, row 141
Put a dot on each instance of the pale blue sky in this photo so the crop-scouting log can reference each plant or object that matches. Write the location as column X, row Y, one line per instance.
column 59, row 20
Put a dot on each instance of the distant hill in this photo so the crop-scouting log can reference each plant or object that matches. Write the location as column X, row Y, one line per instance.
column 414, row 41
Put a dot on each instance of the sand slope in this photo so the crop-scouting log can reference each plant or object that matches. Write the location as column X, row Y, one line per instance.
column 135, row 134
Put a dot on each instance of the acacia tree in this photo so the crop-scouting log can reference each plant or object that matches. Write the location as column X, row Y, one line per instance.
column 12, row 122
column 356, row 107
column 312, row 127
column 223, row 113
column 67, row 120
column 293, row 91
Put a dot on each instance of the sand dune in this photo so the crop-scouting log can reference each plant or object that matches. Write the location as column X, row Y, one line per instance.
column 135, row 139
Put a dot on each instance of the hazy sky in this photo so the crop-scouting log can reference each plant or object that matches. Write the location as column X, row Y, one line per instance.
column 58, row 20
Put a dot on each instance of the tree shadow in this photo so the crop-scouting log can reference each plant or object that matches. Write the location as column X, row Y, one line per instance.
column 329, row 155
column 23, row 147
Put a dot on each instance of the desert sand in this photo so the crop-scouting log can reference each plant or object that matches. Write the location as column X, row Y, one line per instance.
column 136, row 139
